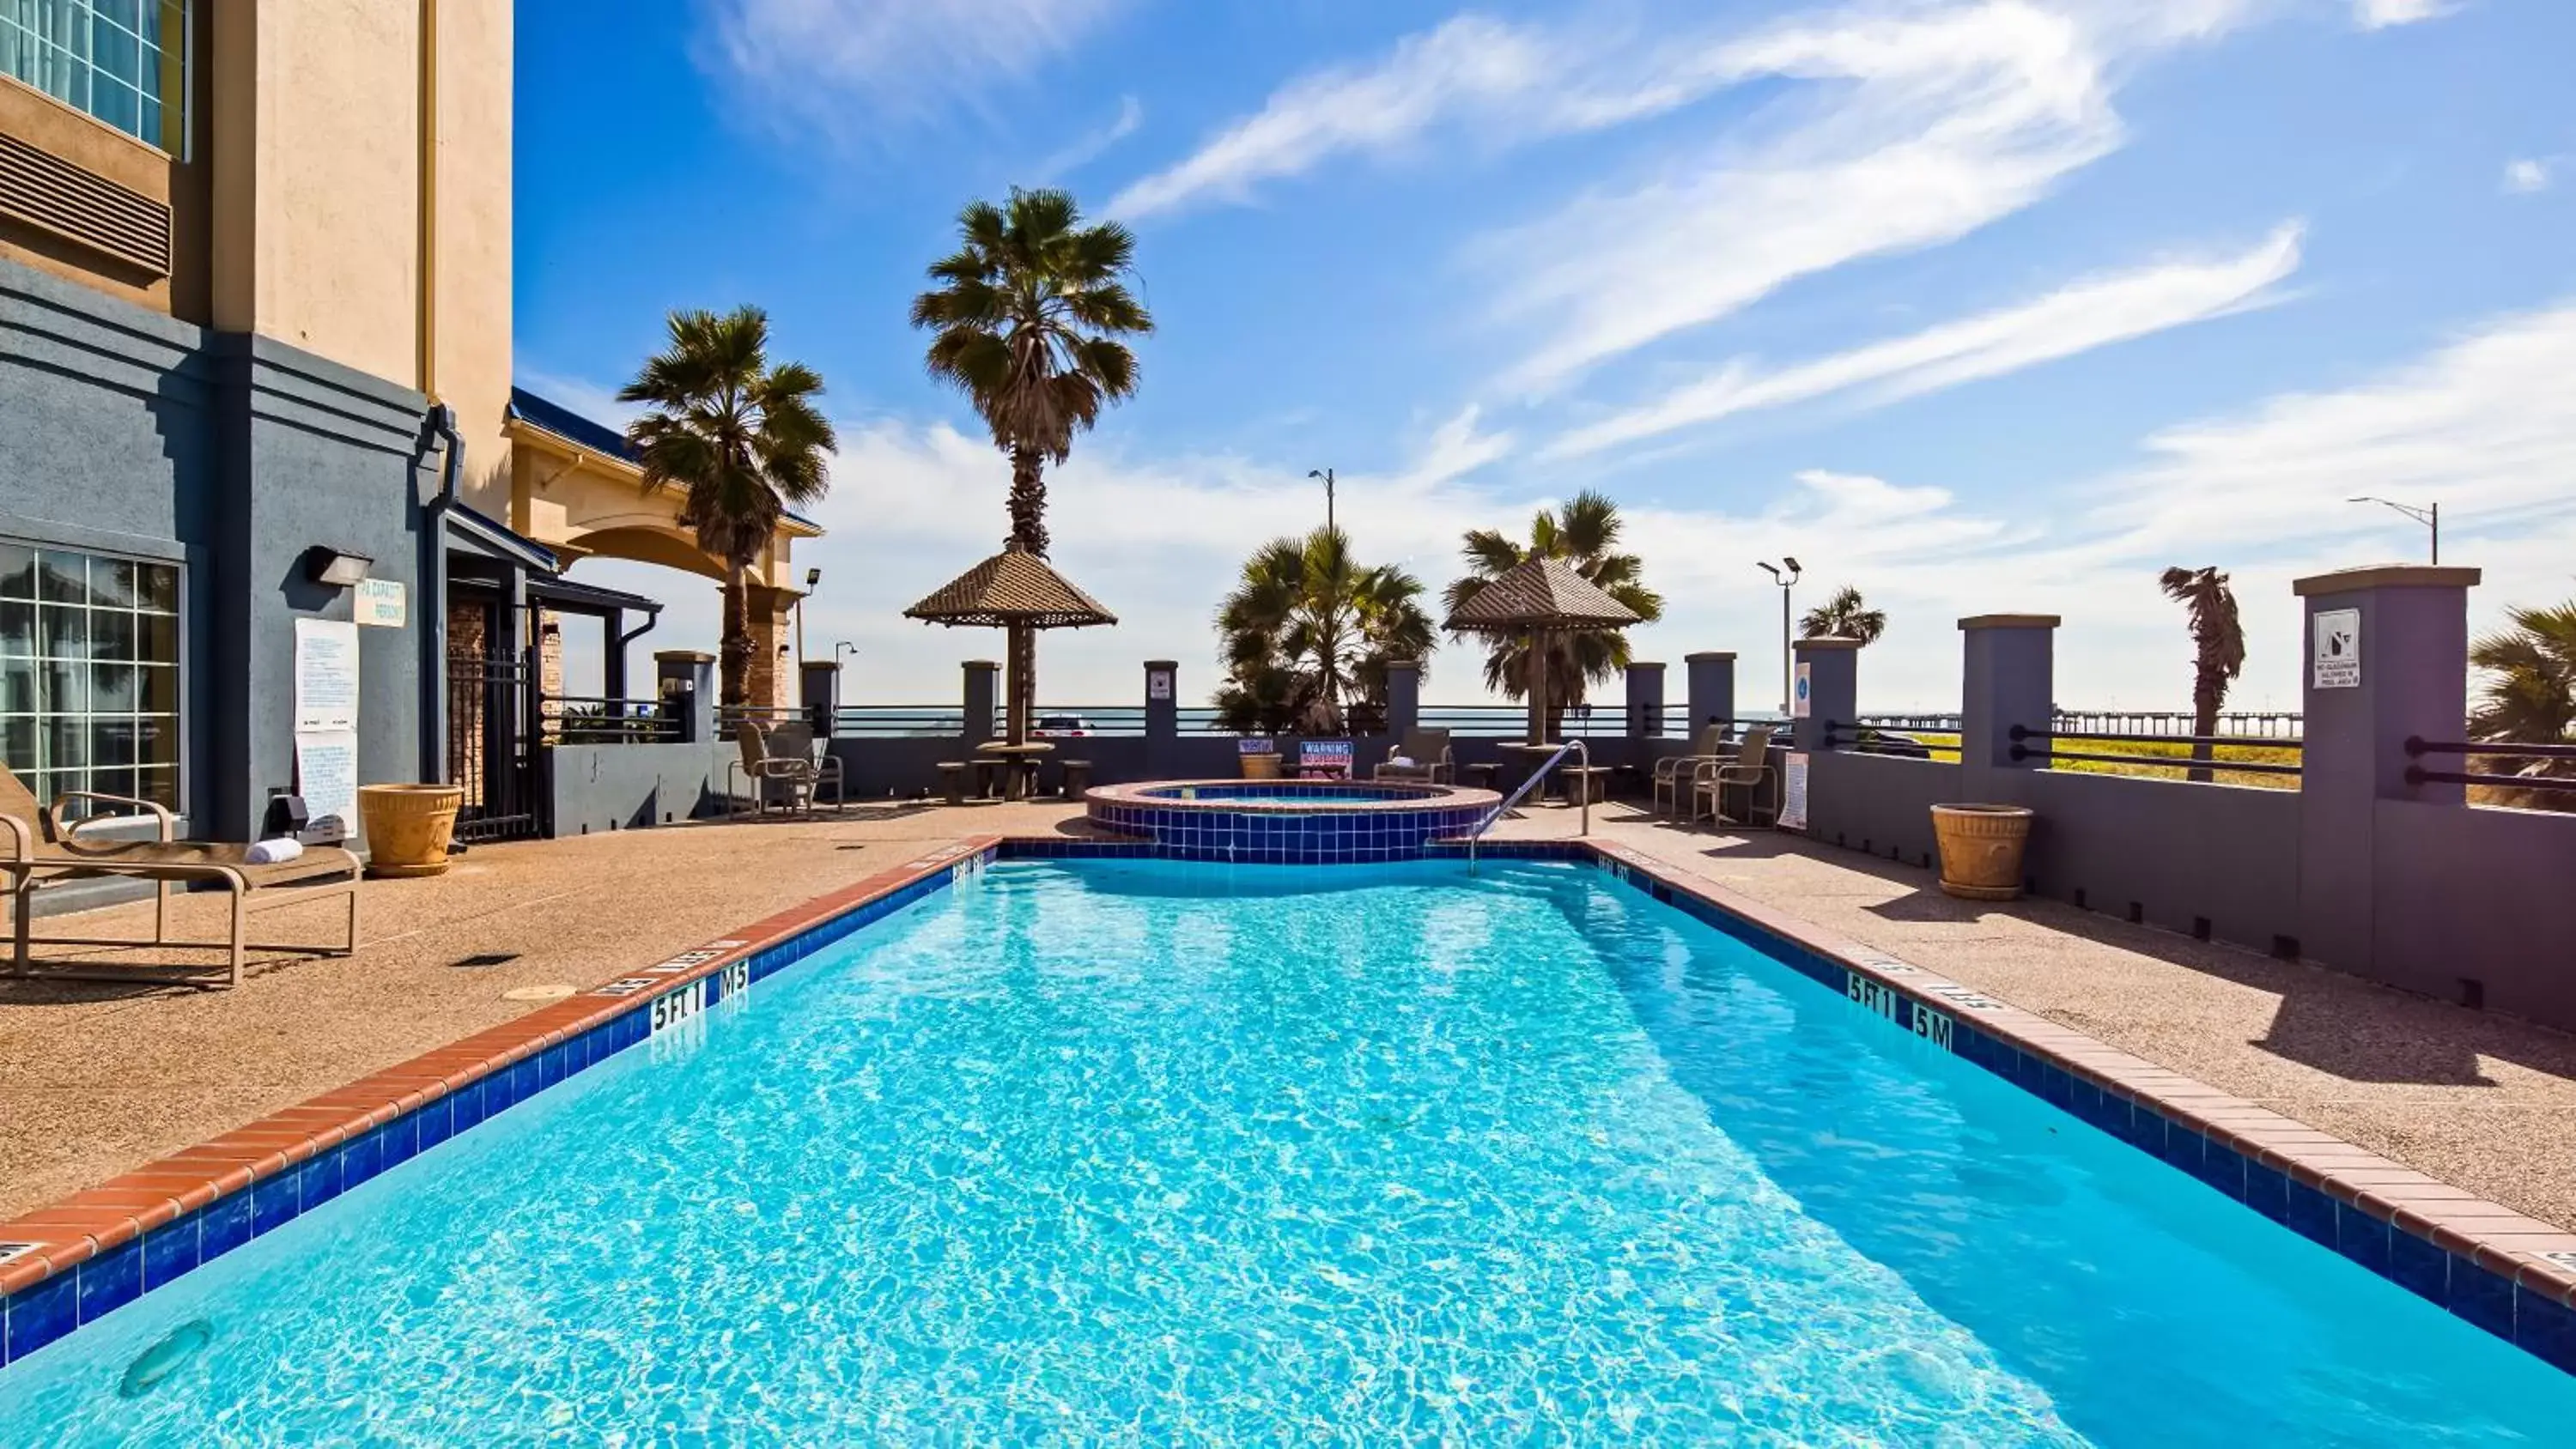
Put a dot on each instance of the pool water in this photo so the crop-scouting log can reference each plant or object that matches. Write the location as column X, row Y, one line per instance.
column 1145, row 1153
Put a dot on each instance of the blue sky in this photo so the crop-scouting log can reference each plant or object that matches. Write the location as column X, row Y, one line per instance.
column 1984, row 306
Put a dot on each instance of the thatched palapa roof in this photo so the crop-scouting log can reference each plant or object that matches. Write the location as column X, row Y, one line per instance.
column 1540, row 593
column 1011, row 587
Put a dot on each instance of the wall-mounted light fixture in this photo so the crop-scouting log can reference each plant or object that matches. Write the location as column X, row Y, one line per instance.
column 324, row 564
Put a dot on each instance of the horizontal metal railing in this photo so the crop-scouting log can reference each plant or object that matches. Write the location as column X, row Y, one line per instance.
column 2194, row 761
column 592, row 719
column 2417, row 747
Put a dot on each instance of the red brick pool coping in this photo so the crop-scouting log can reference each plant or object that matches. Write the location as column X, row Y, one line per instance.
column 2533, row 1255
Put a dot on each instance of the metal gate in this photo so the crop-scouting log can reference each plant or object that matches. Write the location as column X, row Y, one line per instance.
column 493, row 749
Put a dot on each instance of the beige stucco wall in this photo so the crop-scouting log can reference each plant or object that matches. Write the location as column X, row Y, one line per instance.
column 472, row 327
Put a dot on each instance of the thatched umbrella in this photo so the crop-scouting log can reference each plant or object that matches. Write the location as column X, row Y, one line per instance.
column 1539, row 596
column 1014, row 590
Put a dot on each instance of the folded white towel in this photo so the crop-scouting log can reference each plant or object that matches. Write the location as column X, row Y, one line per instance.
column 1401, row 762
column 274, row 852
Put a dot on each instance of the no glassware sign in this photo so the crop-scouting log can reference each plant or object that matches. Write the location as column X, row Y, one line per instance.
column 2334, row 650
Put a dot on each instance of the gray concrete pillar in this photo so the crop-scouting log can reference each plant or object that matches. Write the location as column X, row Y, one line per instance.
column 1645, row 701
column 1403, row 696
column 2383, row 656
column 685, row 681
column 1162, row 716
column 1712, row 688
column 1826, row 672
column 983, row 686
column 2008, row 677
column 818, row 689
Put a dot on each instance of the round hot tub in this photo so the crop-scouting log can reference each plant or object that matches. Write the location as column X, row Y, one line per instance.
column 1288, row 822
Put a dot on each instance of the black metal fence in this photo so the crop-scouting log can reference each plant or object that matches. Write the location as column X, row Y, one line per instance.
column 586, row 719
column 494, row 719
column 2551, row 773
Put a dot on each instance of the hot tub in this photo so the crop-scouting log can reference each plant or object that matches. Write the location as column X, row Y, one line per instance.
column 1289, row 822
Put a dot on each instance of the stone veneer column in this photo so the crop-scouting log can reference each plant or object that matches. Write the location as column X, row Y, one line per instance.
column 982, row 687
column 1403, row 696
column 2412, row 652
column 2008, row 677
column 1833, row 688
column 1711, row 683
column 1645, row 700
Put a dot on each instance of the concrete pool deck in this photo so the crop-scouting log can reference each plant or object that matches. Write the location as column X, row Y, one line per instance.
column 96, row 1079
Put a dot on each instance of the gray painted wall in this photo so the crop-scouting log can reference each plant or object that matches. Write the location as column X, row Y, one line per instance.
column 1880, row 804
column 125, row 432
column 2479, row 894
column 632, row 787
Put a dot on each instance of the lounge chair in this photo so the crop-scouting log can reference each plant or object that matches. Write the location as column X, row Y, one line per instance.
column 1426, row 753
column 1750, row 766
column 39, row 846
column 784, row 758
column 1673, row 772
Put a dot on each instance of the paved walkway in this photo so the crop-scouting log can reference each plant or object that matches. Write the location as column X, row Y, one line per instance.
column 2483, row 1102
column 95, row 1079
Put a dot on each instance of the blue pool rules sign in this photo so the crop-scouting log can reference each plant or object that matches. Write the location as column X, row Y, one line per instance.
column 1799, row 692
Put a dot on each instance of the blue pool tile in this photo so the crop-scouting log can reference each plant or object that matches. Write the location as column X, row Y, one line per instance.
column 361, row 1158
column 172, row 1250
column 320, row 1179
column 2419, row 1267
column 2482, row 1298
column 2222, row 1167
column 2267, row 1191
column 553, row 1066
column 2546, row 1327
column 465, row 1106
column 2312, row 1214
column 2183, row 1147
column 111, row 1280
column 273, row 1203
column 43, row 1313
column 433, row 1122
column 224, row 1225
column 399, row 1139
column 2362, row 1238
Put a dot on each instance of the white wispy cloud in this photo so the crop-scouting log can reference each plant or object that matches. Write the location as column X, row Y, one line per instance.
column 844, row 68
column 1092, row 146
column 2381, row 14
column 2526, row 175
column 2083, row 315
column 1469, row 63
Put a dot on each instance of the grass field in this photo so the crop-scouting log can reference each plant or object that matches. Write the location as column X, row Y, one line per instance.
column 1946, row 747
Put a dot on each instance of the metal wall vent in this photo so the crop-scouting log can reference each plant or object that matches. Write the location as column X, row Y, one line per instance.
column 45, row 191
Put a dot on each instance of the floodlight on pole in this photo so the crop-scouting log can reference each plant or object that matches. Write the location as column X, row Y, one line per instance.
column 2430, row 516
column 1785, row 580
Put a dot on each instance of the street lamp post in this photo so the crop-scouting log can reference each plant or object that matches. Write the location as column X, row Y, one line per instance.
column 1788, row 689
column 2430, row 516
column 1327, row 475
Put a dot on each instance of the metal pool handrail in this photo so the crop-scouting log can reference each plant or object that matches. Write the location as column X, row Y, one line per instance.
column 1575, row 747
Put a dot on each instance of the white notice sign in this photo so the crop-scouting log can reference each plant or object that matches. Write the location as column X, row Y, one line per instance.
column 1793, row 793
column 326, row 775
column 380, row 603
column 326, row 675
column 2334, row 651
column 1158, row 684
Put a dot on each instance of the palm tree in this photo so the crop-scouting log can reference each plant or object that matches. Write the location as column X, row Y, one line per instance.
column 1844, row 616
column 1028, row 310
column 1584, row 533
column 1307, row 636
column 2218, row 646
column 2529, row 696
column 743, row 437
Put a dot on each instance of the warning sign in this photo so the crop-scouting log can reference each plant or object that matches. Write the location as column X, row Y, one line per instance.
column 2334, row 652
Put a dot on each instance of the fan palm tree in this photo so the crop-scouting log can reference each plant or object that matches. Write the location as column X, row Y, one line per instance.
column 2218, row 646
column 743, row 438
column 1844, row 616
column 1585, row 533
column 2529, row 696
column 1028, row 311
column 1307, row 636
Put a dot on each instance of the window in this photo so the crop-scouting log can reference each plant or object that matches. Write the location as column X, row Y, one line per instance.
column 89, row 673
column 123, row 61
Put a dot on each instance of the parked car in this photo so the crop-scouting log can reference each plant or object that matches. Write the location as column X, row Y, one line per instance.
column 1060, row 726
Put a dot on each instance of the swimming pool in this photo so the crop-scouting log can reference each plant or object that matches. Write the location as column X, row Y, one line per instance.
column 1135, row 1151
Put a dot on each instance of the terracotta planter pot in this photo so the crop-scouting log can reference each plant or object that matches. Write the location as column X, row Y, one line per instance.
column 1261, row 767
column 408, row 827
column 1981, row 848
